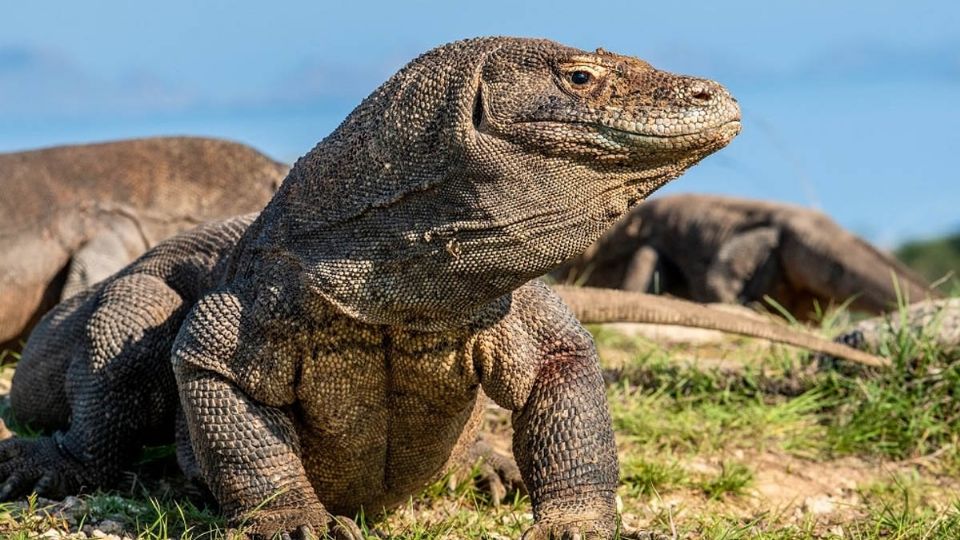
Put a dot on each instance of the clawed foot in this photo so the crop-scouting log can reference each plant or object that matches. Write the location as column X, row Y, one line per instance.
column 495, row 473
column 585, row 530
column 498, row 476
column 37, row 465
column 297, row 525
column 573, row 530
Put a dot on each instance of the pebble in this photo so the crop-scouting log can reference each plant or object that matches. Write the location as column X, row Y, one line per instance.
column 819, row 505
column 110, row 527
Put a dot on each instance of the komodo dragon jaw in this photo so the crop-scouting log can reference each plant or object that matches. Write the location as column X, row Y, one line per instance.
column 483, row 177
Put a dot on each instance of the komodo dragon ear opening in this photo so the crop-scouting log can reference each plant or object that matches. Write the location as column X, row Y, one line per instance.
column 478, row 112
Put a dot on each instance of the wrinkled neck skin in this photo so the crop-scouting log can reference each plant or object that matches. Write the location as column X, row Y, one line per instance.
column 409, row 215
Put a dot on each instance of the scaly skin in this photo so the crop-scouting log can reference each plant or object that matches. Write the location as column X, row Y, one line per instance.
column 69, row 368
column 73, row 215
column 96, row 371
column 337, row 365
column 721, row 249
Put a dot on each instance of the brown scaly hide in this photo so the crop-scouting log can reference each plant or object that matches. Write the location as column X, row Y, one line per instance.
column 72, row 215
column 722, row 249
column 338, row 364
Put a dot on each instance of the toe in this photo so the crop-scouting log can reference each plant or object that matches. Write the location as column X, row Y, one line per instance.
column 490, row 481
column 48, row 486
column 306, row 532
column 343, row 528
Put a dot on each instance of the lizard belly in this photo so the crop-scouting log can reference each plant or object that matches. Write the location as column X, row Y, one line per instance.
column 382, row 414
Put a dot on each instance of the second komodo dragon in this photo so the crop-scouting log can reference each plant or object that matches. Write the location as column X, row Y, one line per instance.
column 710, row 248
column 337, row 364
column 73, row 215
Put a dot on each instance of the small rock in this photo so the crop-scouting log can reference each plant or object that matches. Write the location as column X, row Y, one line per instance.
column 110, row 527
column 819, row 505
column 52, row 533
column 97, row 533
column 72, row 509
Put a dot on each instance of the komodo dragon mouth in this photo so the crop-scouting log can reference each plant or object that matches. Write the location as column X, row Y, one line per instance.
column 731, row 127
column 686, row 140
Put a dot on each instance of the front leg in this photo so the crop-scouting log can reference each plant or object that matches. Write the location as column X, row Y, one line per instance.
column 564, row 446
column 247, row 450
column 539, row 362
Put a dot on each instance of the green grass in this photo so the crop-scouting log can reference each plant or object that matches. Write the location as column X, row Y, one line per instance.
column 642, row 477
column 148, row 518
column 732, row 480
column 907, row 411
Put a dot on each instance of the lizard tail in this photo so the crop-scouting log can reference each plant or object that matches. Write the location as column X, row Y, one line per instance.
column 608, row 305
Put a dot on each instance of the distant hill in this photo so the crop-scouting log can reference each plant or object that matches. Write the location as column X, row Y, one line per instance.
column 933, row 258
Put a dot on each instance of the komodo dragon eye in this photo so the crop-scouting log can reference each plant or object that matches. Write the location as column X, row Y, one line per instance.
column 580, row 77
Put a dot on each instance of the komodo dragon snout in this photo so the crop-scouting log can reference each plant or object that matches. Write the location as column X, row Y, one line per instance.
column 616, row 115
column 603, row 105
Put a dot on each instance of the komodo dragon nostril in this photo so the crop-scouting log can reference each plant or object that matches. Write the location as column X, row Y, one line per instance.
column 702, row 95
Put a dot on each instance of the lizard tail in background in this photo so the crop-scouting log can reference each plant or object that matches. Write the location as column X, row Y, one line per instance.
column 594, row 306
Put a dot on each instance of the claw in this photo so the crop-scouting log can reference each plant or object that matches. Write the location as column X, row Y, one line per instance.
column 492, row 483
column 343, row 528
column 305, row 532
column 498, row 474
column 45, row 486
column 639, row 534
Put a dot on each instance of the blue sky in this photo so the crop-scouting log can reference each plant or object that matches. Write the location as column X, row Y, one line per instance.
column 850, row 107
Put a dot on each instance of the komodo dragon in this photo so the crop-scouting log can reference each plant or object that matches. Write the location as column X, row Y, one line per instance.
column 337, row 364
column 72, row 215
column 723, row 249
column 69, row 345
column 81, row 334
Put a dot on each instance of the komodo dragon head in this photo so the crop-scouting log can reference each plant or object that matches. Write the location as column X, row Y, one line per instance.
column 480, row 165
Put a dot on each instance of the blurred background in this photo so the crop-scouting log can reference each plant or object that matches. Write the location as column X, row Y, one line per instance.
column 850, row 107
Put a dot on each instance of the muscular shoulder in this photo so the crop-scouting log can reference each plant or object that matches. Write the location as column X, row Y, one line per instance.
column 535, row 327
column 245, row 339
